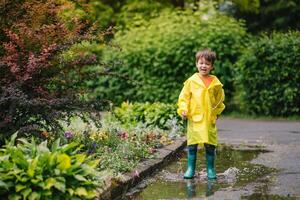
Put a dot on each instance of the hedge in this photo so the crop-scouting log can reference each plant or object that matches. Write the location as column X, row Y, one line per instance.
column 268, row 75
column 160, row 54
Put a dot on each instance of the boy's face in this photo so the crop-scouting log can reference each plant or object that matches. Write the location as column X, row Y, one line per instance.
column 204, row 67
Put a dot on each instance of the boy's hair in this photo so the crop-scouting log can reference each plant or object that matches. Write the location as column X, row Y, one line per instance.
column 207, row 54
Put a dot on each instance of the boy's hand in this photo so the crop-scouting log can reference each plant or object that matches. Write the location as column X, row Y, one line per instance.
column 183, row 114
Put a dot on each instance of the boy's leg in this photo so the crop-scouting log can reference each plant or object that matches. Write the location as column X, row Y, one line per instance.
column 210, row 161
column 192, row 157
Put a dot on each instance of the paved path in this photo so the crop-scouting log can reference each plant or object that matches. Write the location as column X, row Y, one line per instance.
column 281, row 137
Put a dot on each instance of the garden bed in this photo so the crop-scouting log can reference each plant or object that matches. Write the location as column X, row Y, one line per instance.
column 117, row 188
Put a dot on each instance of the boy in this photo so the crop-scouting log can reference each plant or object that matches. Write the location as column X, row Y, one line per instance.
column 200, row 102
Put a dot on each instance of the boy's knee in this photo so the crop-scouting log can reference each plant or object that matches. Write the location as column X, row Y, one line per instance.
column 210, row 149
column 192, row 147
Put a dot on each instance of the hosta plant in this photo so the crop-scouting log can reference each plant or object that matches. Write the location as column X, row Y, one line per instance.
column 33, row 171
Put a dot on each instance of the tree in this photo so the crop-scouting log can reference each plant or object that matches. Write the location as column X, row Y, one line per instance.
column 40, row 85
column 265, row 15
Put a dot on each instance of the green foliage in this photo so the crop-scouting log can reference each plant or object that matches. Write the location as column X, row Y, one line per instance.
column 117, row 149
column 33, row 171
column 93, row 12
column 123, row 13
column 247, row 5
column 238, row 6
column 271, row 15
column 125, row 156
column 269, row 76
column 123, row 142
column 160, row 55
column 151, row 114
column 134, row 11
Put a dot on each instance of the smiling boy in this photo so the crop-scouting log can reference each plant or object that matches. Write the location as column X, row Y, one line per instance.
column 200, row 102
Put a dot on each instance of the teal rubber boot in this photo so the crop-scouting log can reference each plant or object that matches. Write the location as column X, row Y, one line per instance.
column 192, row 157
column 210, row 161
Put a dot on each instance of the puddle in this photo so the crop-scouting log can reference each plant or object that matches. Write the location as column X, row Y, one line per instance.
column 234, row 173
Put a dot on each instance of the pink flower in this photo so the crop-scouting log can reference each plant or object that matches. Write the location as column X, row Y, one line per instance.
column 136, row 174
column 124, row 135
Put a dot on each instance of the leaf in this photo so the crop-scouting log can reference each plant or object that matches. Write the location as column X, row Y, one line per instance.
column 13, row 139
column 24, row 141
column 41, row 184
column 14, row 197
column 64, row 162
column 80, row 178
column 80, row 158
column 57, row 172
column 3, row 185
column 52, row 159
column 46, row 193
column 42, row 148
column 71, row 191
column 69, row 146
column 4, row 158
column 26, row 192
column 20, row 187
column 49, row 183
column 81, row 191
column 94, row 163
column 18, row 157
column 34, row 196
column 32, row 167
column 61, row 186
column 91, row 194
column 55, row 145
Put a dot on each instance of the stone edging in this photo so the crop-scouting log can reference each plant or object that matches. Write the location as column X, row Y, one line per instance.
column 117, row 190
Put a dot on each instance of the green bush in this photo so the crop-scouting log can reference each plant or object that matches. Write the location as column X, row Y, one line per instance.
column 131, row 13
column 160, row 54
column 33, row 171
column 151, row 114
column 268, row 74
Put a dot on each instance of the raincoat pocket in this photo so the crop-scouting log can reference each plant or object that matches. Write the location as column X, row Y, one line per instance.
column 197, row 123
column 197, row 118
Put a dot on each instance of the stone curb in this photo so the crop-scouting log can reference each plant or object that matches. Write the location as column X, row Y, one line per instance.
column 117, row 190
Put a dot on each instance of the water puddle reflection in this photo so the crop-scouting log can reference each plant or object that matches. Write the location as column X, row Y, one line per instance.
column 234, row 173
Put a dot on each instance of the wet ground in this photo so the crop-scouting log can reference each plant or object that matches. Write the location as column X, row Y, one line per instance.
column 282, row 138
column 258, row 160
column 236, row 176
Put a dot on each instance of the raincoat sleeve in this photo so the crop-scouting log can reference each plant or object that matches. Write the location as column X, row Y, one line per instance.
column 184, row 98
column 220, row 106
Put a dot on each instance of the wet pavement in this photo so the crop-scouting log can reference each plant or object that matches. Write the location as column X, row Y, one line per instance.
column 235, row 174
column 282, row 138
column 257, row 160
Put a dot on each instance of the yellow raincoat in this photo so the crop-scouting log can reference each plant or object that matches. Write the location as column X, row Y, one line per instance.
column 202, row 106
